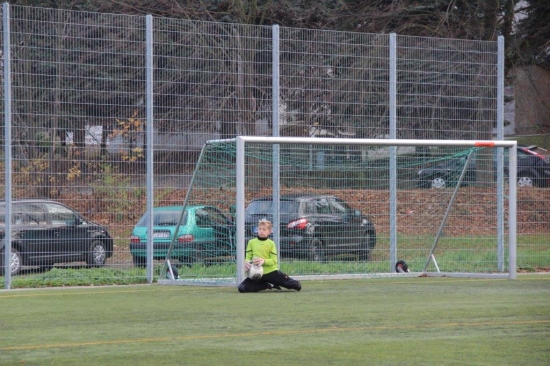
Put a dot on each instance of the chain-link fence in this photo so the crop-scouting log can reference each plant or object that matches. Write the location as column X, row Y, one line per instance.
column 107, row 114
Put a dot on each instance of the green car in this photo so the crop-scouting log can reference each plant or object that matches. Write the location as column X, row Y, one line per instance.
column 205, row 235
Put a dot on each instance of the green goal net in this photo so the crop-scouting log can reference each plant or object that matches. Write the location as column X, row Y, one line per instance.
column 348, row 208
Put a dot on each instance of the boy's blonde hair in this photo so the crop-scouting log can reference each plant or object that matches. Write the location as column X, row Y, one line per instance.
column 265, row 222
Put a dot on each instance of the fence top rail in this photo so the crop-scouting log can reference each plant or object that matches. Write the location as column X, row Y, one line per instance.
column 378, row 142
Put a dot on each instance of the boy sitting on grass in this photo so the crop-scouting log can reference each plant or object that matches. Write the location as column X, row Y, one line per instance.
column 262, row 251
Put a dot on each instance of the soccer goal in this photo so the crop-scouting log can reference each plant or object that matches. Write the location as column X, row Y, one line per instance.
column 351, row 208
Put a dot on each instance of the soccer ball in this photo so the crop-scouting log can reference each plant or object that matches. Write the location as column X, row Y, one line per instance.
column 174, row 271
column 401, row 267
column 255, row 272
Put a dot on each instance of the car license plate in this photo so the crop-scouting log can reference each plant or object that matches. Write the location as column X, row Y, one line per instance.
column 161, row 235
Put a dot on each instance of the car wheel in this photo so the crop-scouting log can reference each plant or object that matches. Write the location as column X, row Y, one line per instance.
column 139, row 261
column 438, row 182
column 314, row 251
column 16, row 262
column 369, row 242
column 525, row 181
column 97, row 255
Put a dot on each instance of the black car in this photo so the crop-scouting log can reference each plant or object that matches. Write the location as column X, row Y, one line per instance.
column 447, row 174
column 533, row 169
column 315, row 227
column 47, row 232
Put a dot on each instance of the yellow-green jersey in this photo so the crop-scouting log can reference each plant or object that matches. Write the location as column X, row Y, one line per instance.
column 263, row 248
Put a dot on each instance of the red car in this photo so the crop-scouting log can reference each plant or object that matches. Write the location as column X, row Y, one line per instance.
column 533, row 150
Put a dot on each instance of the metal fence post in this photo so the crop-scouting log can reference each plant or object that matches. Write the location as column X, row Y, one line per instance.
column 393, row 149
column 276, row 167
column 7, row 143
column 150, row 142
column 499, row 152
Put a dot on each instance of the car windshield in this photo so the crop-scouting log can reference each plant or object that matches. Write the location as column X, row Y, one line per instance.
column 266, row 207
column 163, row 218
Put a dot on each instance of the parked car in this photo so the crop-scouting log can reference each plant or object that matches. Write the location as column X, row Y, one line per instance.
column 533, row 169
column 47, row 232
column 447, row 174
column 315, row 227
column 206, row 235
column 533, row 150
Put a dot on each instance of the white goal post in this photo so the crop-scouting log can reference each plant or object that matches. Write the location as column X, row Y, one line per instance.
column 346, row 208
column 392, row 144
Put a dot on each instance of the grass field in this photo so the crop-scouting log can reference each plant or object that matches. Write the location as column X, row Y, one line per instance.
column 398, row 321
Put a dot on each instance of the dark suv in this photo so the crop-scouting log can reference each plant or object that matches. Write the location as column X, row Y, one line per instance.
column 47, row 232
column 315, row 227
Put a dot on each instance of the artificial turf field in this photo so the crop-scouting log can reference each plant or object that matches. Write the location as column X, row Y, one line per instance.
column 397, row 321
